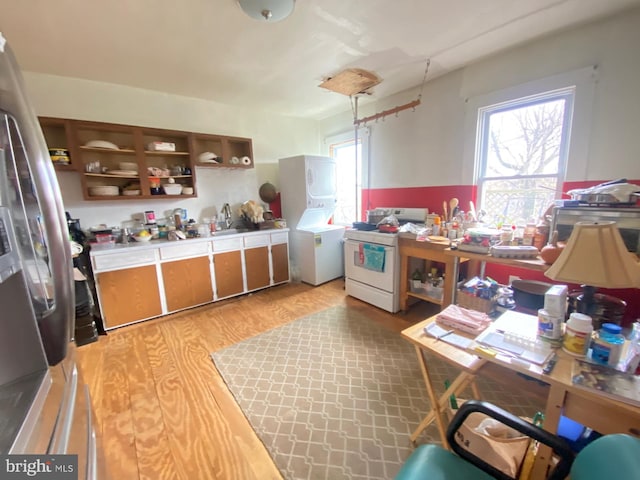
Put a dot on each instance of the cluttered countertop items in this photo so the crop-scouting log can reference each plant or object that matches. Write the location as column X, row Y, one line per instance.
column 147, row 229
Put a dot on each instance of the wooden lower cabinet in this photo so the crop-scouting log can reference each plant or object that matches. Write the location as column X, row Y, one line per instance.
column 187, row 283
column 227, row 267
column 129, row 295
column 280, row 260
column 256, row 262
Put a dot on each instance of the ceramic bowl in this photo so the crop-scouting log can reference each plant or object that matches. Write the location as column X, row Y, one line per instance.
column 144, row 239
column 172, row 188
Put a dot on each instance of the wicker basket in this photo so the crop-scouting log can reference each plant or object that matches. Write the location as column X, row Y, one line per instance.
column 472, row 302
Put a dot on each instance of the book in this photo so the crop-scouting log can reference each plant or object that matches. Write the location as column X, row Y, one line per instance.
column 624, row 387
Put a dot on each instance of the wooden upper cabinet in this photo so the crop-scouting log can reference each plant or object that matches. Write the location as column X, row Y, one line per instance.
column 228, row 152
column 58, row 136
column 134, row 162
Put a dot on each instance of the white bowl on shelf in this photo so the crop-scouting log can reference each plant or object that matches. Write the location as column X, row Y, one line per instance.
column 130, row 166
column 104, row 191
column 172, row 188
column 187, row 190
column 130, row 193
column 102, row 144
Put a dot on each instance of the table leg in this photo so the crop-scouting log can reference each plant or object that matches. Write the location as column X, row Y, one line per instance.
column 552, row 413
column 438, row 405
column 475, row 391
column 451, row 281
column 404, row 275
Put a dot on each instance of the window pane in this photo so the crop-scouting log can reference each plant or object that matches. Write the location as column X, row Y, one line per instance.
column 519, row 200
column 348, row 186
column 525, row 140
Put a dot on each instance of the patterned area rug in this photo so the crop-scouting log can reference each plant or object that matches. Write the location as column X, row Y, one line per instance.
column 336, row 396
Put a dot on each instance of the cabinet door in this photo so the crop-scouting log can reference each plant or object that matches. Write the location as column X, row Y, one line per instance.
column 280, row 259
column 257, row 265
column 228, row 273
column 187, row 283
column 129, row 295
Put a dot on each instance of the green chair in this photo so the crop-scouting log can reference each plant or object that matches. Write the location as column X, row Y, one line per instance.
column 611, row 456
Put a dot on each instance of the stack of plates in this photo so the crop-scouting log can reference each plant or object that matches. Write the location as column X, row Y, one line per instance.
column 104, row 190
column 124, row 173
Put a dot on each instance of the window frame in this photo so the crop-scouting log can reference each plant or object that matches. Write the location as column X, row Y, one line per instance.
column 583, row 79
column 482, row 150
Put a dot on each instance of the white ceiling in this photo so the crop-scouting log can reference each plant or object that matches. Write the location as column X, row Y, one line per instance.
column 210, row 49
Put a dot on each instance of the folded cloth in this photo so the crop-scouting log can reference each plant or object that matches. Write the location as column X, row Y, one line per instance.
column 469, row 321
column 371, row 257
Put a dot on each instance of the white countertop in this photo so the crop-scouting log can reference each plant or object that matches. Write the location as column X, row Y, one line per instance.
column 98, row 249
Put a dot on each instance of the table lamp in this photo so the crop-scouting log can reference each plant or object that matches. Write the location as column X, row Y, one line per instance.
column 596, row 256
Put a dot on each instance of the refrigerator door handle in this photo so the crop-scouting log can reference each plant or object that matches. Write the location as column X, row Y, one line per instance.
column 57, row 324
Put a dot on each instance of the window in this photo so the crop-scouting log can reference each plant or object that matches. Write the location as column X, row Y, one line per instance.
column 349, row 170
column 522, row 154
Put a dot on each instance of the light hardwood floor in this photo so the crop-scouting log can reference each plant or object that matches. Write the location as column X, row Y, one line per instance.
column 161, row 407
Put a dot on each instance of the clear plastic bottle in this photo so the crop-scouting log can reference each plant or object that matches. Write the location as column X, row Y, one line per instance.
column 607, row 345
column 632, row 357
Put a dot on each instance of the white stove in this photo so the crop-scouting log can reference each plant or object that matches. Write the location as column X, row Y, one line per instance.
column 372, row 261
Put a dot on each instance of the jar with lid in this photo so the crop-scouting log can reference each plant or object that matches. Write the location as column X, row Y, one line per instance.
column 529, row 234
column 577, row 335
column 607, row 345
column 541, row 236
column 506, row 235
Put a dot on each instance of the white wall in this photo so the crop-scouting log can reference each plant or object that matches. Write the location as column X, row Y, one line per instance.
column 273, row 137
column 425, row 147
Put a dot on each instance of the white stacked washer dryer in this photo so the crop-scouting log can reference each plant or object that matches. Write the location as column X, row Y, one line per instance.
column 308, row 188
column 378, row 285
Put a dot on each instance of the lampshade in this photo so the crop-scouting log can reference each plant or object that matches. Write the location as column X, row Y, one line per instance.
column 596, row 255
column 267, row 10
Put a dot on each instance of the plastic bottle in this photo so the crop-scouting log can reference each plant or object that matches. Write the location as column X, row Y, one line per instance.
column 577, row 335
column 607, row 345
column 632, row 358
column 435, row 229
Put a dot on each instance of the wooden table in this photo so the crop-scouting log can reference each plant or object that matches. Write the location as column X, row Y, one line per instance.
column 432, row 251
column 458, row 256
column 562, row 398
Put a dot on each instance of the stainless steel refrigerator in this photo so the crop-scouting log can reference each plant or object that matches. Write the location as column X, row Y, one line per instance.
column 44, row 407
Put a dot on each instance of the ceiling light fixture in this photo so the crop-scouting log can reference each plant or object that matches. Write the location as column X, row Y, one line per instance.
column 267, row 10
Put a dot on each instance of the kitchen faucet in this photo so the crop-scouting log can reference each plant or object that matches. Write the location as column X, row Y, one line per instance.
column 226, row 211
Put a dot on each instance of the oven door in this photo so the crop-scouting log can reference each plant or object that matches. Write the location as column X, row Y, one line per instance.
column 369, row 272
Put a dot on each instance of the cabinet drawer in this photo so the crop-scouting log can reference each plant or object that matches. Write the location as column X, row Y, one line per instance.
column 227, row 244
column 280, row 237
column 612, row 418
column 120, row 260
column 185, row 249
column 256, row 241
